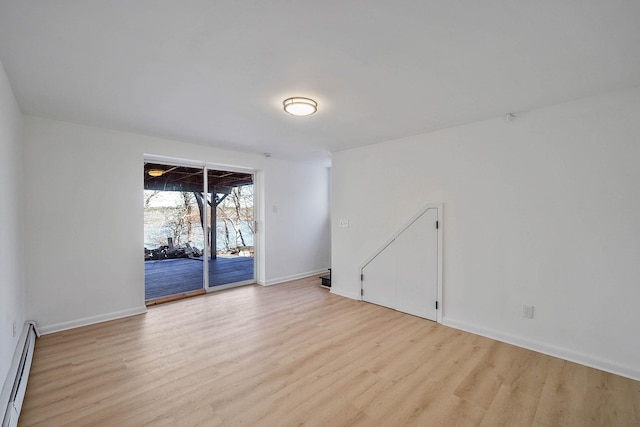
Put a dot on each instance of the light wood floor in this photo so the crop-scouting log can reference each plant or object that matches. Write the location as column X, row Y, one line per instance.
column 293, row 354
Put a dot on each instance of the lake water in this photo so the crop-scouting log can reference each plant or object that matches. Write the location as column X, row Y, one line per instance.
column 155, row 235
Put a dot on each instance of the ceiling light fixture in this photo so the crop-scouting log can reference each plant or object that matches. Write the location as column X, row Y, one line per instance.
column 155, row 172
column 299, row 106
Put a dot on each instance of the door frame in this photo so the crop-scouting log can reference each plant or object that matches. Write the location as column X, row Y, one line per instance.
column 257, row 252
column 438, row 206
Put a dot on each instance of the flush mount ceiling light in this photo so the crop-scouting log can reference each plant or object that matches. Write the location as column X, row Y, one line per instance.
column 299, row 106
column 155, row 172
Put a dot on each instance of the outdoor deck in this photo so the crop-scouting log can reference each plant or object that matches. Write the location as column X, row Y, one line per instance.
column 175, row 276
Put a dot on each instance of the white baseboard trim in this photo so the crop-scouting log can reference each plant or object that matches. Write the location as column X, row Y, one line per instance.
column 63, row 326
column 344, row 294
column 293, row 277
column 548, row 349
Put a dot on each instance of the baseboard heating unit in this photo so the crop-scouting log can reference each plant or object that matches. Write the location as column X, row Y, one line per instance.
column 16, row 384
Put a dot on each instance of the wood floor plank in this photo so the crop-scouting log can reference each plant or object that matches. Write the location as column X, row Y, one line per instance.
column 294, row 354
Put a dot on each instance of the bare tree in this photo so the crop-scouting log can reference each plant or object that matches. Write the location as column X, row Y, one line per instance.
column 187, row 199
column 225, row 230
column 236, row 211
column 237, row 223
column 176, row 220
column 148, row 196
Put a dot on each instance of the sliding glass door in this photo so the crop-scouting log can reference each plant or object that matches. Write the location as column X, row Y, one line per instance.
column 196, row 240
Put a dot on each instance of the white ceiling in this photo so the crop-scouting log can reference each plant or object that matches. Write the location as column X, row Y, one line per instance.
column 216, row 72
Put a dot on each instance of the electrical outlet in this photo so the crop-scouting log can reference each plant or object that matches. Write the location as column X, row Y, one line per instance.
column 344, row 223
column 527, row 311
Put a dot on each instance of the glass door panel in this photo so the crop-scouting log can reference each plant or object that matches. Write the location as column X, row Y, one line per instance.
column 174, row 237
column 231, row 228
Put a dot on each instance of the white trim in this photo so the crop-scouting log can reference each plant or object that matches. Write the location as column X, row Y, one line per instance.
column 229, row 168
column 256, row 252
column 205, row 229
column 257, row 199
column 260, row 226
column 440, row 231
column 173, row 161
column 57, row 327
column 395, row 235
column 551, row 350
column 439, row 207
column 292, row 277
column 345, row 295
column 176, row 161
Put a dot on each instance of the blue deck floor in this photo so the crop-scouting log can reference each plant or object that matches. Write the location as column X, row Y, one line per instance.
column 175, row 276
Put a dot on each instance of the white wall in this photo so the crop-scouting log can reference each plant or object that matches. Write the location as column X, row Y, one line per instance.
column 297, row 214
column 12, row 302
column 542, row 210
column 84, row 218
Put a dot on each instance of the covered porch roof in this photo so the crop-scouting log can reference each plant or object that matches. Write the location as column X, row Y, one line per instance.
column 189, row 179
